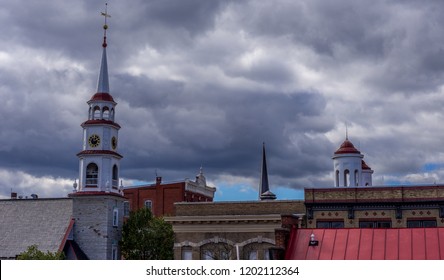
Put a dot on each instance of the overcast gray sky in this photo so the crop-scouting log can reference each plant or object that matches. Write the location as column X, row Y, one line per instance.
column 206, row 82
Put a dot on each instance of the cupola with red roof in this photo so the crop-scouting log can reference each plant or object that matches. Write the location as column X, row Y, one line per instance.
column 350, row 170
column 347, row 147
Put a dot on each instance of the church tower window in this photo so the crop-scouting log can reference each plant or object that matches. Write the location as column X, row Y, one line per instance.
column 115, row 176
column 97, row 113
column 92, row 173
column 105, row 113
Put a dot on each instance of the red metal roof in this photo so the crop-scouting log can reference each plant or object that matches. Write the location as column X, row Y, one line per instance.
column 367, row 244
column 364, row 165
column 347, row 147
column 102, row 96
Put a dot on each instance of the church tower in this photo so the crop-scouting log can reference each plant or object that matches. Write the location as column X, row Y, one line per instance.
column 99, row 161
column 98, row 199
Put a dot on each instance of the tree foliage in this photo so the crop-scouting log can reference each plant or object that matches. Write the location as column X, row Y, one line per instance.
column 33, row 253
column 145, row 237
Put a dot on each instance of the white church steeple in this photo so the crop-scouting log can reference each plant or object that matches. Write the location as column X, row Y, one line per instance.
column 99, row 161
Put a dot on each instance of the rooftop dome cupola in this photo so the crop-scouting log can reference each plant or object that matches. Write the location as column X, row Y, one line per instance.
column 347, row 162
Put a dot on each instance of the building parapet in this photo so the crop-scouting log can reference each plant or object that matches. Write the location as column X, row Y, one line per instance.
column 196, row 188
column 378, row 194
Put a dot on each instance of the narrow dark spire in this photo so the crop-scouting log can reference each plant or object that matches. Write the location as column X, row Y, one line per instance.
column 264, row 189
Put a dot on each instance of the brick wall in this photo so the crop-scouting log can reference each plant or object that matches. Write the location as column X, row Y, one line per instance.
column 377, row 194
column 240, row 208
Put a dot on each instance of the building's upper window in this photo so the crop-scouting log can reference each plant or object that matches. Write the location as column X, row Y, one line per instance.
column 126, row 208
column 375, row 224
column 115, row 217
column 421, row 223
column 330, row 224
column 148, row 204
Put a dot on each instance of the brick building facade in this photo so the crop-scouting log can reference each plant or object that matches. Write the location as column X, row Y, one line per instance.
column 160, row 197
column 226, row 230
column 375, row 207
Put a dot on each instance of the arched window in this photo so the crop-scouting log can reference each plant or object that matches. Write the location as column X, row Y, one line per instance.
column 346, row 178
column 111, row 115
column 92, row 174
column 97, row 113
column 115, row 176
column 216, row 251
column 356, row 178
column 337, row 178
column 105, row 113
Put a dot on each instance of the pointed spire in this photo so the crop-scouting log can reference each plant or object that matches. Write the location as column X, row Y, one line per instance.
column 264, row 189
column 103, row 83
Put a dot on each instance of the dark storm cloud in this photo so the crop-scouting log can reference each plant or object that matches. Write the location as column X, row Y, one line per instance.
column 217, row 127
column 206, row 82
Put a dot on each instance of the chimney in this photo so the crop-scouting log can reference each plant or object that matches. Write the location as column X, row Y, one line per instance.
column 158, row 180
column 13, row 195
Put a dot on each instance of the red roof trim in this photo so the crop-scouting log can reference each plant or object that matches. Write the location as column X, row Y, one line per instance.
column 99, row 152
column 100, row 122
column 65, row 237
column 102, row 96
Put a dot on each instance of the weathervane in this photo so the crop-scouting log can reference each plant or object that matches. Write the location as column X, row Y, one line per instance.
column 105, row 26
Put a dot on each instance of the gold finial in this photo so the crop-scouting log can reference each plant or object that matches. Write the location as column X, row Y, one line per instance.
column 105, row 26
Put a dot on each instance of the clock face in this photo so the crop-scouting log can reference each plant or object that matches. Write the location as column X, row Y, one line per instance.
column 94, row 140
column 114, row 142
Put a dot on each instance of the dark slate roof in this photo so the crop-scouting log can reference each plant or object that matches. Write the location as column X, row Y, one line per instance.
column 25, row 222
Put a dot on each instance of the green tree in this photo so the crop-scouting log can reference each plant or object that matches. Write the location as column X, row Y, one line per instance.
column 145, row 237
column 33, row 253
